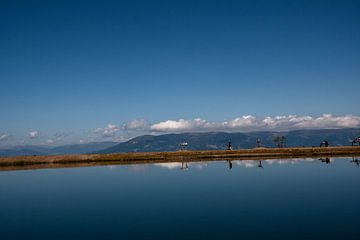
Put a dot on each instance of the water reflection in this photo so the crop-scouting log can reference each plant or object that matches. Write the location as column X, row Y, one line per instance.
column 325, row 160
column 180, row 165
column 184, row 165
column 356, row 161
column 170, row 165
column 230, row 164
column 289, row 199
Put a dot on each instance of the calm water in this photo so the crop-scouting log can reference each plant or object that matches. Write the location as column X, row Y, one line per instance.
column 292, row 199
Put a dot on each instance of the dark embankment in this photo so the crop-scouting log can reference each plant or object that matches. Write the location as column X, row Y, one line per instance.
column 35, row 162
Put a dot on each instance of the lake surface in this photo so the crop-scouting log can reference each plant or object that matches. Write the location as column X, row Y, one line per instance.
column 288, row 199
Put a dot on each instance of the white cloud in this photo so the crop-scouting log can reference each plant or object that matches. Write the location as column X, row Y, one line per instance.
column 245, row 123
column 240, row 122
column 137, row 124
column 307, row 122
column 120, row 139
column 198, row 124
column 61, row 135
column 34, row 134
column 4, row 137
column 330, row 121
column 182, row 125
column 108, row 131
column 251, row 123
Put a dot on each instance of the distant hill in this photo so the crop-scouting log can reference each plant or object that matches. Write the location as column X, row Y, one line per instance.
column 81, row 148
column 19, row 152
column 196, row 141
column 60, row 150
column 219, row 140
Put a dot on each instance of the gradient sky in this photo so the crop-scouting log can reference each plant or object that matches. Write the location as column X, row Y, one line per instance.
column 71, row 67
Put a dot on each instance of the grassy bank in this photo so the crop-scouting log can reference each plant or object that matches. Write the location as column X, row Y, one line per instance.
column 34, row 162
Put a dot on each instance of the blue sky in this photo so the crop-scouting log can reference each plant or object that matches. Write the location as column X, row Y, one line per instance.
column 71, row 68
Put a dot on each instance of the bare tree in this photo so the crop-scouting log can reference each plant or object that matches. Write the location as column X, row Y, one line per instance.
column 280, row 141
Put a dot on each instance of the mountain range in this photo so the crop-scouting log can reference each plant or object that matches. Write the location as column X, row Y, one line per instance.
column 219, row 140
column 59, row 150
column 196, row 141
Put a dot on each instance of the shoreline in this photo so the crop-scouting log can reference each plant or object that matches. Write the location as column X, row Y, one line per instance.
column 84, row 160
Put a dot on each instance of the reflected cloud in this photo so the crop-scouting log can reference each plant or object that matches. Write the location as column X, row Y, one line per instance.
column 132, row 168
column 139, row 167
column 112, row 167
column 289, row 161
column 231, row 163
column 245, row 163
column 201, row 165
column 182, row 165
column 172, row 165
column 260, row 163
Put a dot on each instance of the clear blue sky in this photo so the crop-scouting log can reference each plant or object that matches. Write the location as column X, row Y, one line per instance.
column 80, row 65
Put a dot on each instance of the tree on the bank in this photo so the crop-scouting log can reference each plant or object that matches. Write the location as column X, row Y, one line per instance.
column 280, row 141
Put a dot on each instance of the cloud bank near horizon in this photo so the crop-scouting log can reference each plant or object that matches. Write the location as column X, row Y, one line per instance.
column 125, row 131
column 4, row 137
column 240, row 124
column 251, row 123
column 34, row 134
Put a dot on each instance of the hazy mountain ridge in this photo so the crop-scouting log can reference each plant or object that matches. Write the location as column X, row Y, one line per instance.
column 59, row 150
column 196, row 141
column 219, row 140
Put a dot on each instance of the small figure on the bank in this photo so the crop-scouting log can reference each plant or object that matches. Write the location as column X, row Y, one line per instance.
column 324, row 144
column 280, row 141
column 258, row 142
column 183, row 146
column 355, row 141
column 260, row 164
column 229, row 146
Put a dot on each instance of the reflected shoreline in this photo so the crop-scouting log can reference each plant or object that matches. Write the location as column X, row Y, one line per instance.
column 61, row 161
column 183, row 162
column 252, row 163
